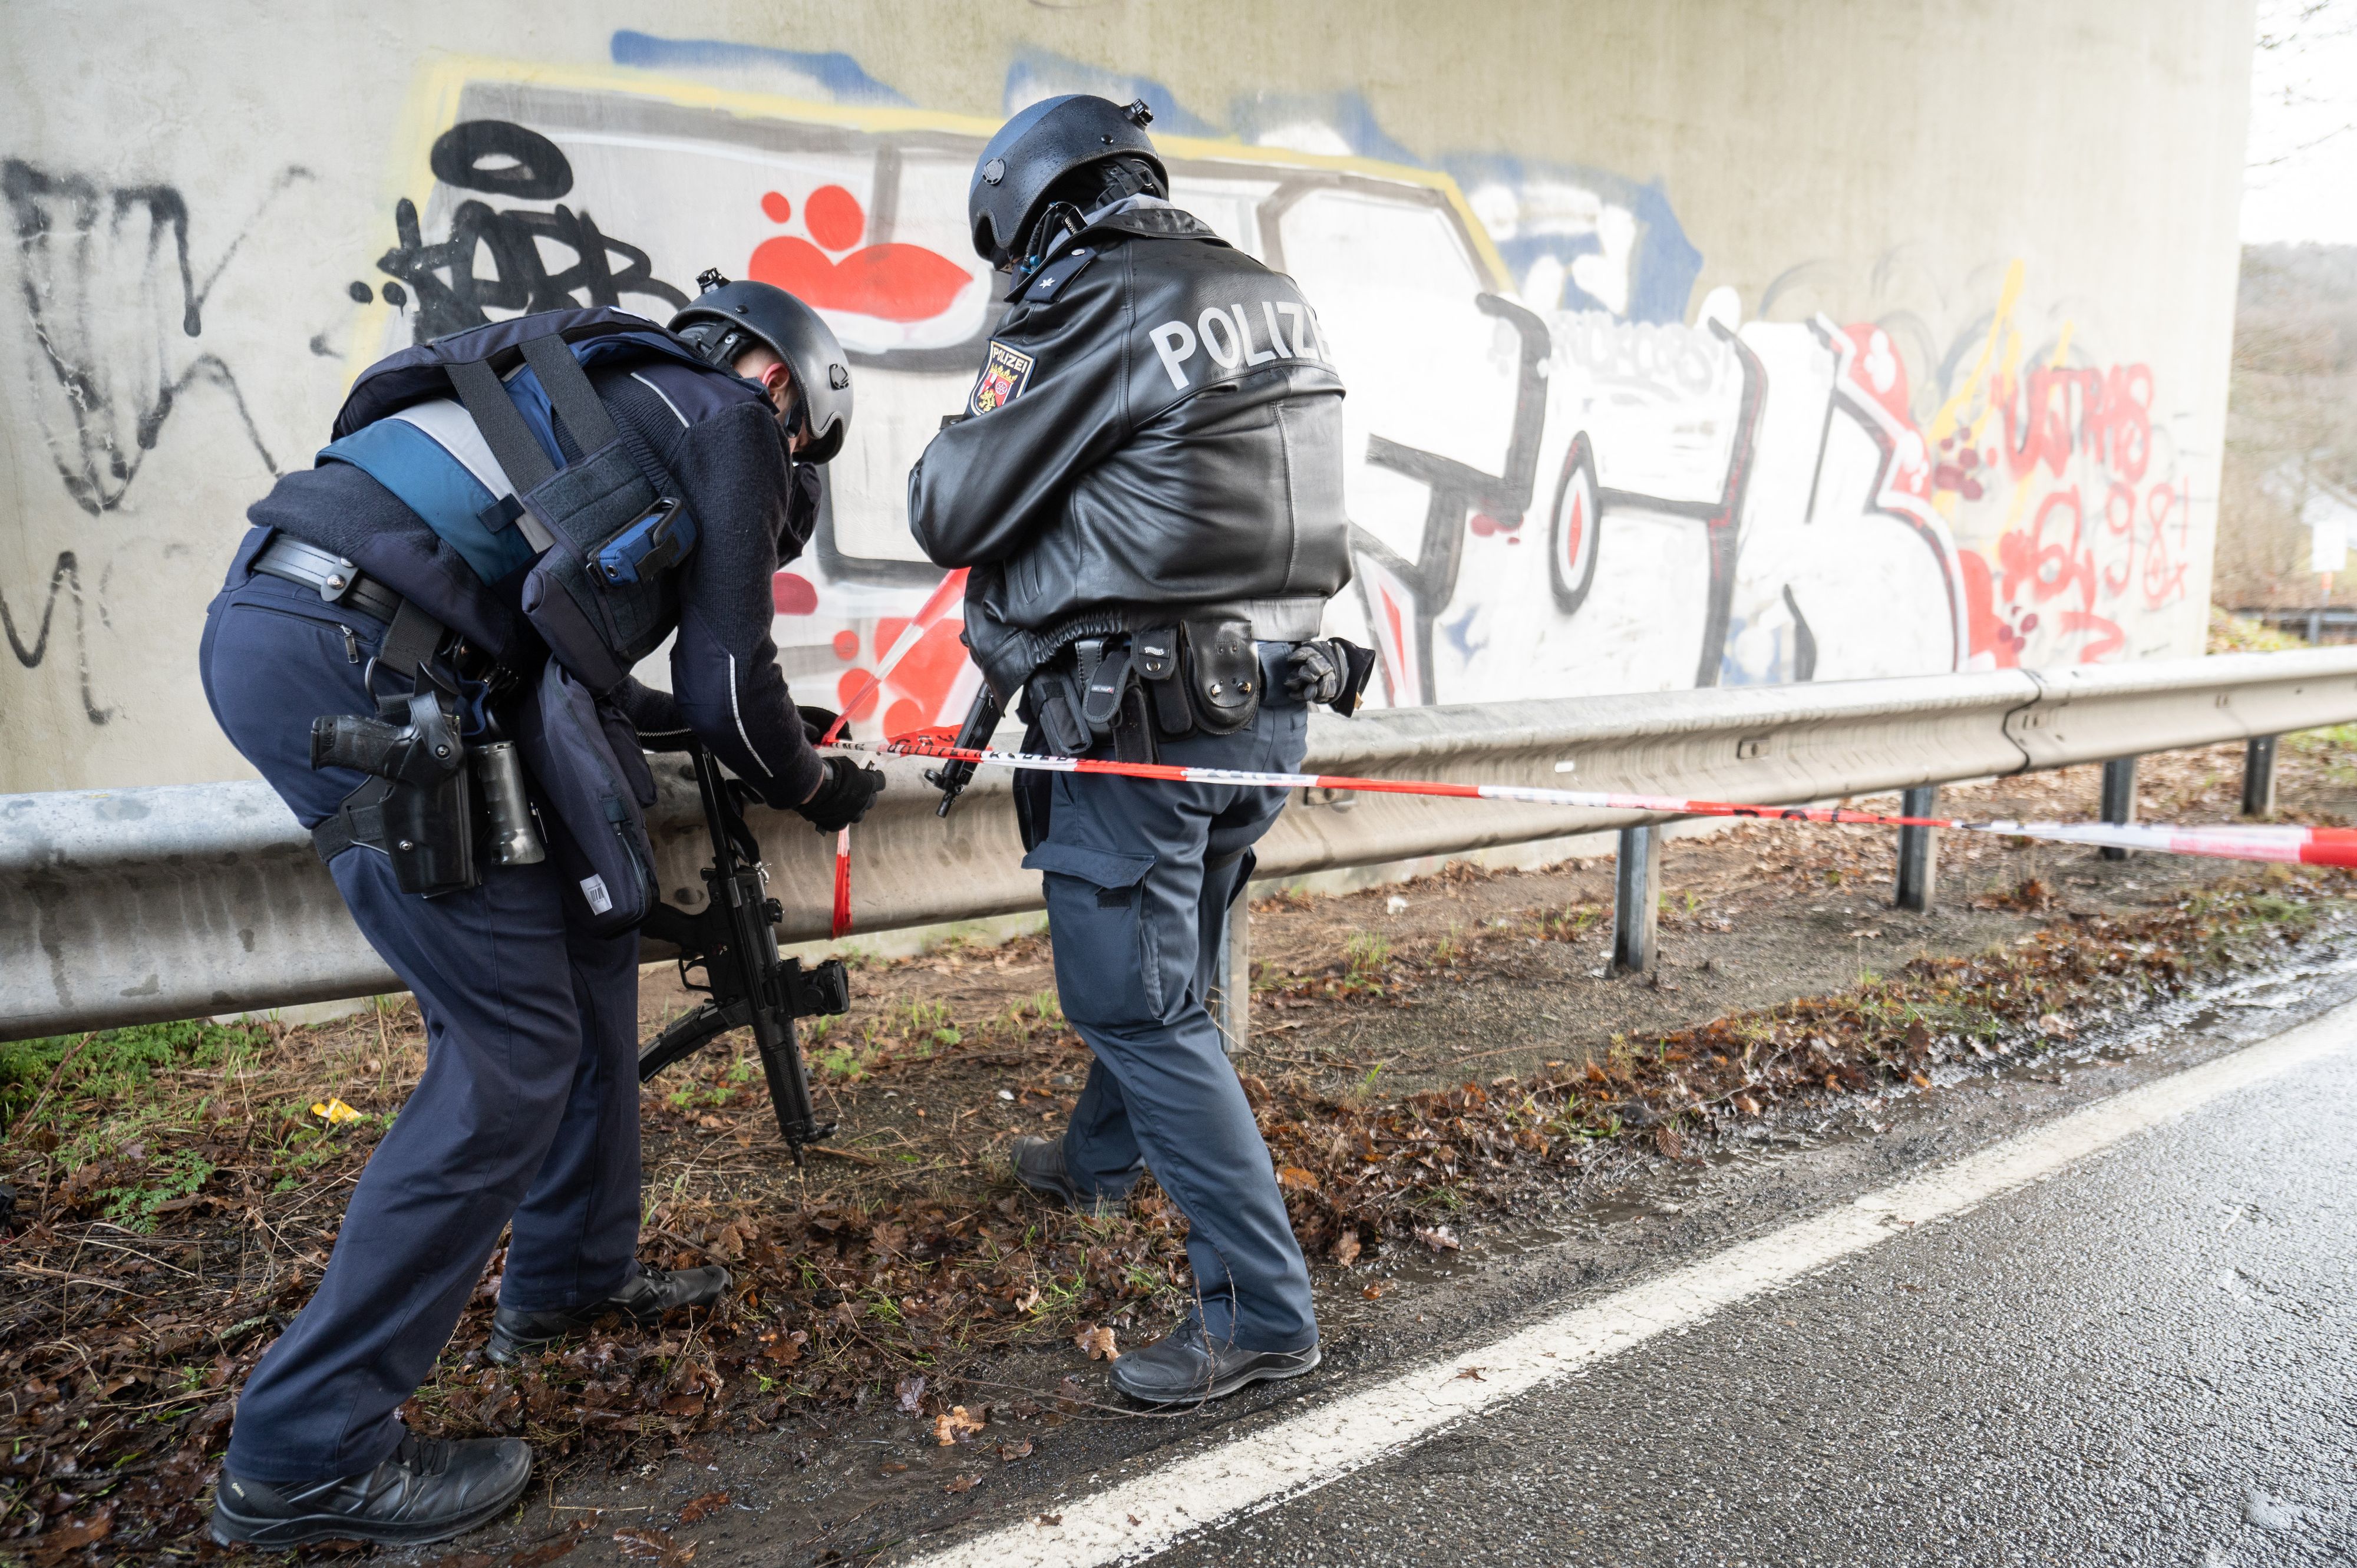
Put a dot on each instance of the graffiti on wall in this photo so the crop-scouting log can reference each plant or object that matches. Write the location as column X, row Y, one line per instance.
column 510, row 247
column 104, row 278
column 1719, row 502
column 65, row 580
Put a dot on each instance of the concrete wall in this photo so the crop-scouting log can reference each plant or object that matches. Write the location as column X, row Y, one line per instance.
column 1688, row 342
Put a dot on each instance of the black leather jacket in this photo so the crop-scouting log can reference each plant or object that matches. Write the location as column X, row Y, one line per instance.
column 1155, row 428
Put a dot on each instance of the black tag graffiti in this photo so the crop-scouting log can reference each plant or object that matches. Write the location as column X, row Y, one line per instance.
column 508, row 160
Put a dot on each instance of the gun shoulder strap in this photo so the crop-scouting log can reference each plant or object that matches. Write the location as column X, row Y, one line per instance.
column 520, row 452
column 569, row 391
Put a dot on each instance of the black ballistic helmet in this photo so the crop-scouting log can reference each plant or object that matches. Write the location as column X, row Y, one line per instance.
column 727, row 318
column 1040, row 146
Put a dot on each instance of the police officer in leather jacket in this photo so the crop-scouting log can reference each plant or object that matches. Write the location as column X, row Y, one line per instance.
column 528, row 1109
column 1147, row 483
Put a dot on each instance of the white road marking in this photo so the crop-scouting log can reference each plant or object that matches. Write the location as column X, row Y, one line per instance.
column 1139, row 1516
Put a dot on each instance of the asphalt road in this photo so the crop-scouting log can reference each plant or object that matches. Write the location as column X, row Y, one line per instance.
column 2145, row 1358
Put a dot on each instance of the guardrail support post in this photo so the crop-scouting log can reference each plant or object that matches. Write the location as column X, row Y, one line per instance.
column 2119, row 796
column 2259, row 776
column 1918, row 849
column 1636, row 898
column 1230, row 999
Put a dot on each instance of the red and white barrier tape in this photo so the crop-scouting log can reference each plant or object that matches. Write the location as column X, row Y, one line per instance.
column 2312, row 846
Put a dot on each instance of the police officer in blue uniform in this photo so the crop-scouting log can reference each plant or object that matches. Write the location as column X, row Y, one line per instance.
column 581, row 481
column 1148, row 484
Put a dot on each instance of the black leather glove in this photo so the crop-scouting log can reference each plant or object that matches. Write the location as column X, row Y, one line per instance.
column 817, row 722
column 843, row 796
column 1314, row 672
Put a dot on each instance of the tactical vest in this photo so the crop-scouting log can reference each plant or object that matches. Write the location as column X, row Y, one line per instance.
column 461, row 430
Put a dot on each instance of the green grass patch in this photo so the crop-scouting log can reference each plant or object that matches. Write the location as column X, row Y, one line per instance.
column 78, row 1086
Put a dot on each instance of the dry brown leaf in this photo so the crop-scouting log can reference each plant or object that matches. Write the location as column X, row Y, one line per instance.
column 1097, row 1342
column 963, row 1483
column 954, row 1425
column 1296, row 1178
column 1373, row 1292
column 1437, row 1239
column 646, row 1544
column 60, row 1539
column 912, row 1393
column 1346, row 1248
column 693, row 1510
column 1051, row 1519
column 1472, row 1373
column 1010, row 1452
column 1747, row 1105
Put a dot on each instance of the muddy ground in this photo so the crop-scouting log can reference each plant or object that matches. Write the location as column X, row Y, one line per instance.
column 1430, row 1061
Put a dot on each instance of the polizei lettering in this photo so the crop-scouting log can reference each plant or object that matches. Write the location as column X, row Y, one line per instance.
column 1237, row 336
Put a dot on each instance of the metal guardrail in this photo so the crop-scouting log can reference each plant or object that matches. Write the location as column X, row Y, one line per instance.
column 128, row 906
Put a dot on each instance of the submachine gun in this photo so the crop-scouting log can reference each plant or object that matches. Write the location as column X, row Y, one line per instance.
column 734, row 942
column 981, row 722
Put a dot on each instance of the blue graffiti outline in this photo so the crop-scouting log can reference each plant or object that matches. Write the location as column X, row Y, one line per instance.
column 1663, row 268
column 841, row 76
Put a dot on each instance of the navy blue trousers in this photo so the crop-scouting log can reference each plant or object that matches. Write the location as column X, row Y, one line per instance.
column 529, row 1107
column 1139, row 873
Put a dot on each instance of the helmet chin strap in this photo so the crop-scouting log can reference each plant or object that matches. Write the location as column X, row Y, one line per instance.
column 1115, row 179
column 794, row 414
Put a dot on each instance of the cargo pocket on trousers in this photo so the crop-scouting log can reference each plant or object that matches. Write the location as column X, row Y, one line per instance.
column 1108, row 965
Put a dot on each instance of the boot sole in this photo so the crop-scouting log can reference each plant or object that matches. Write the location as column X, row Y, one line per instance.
column 1230, row 1384
column 341, row 1527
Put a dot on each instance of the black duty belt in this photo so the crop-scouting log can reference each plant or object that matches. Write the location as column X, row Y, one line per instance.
column 335, row 579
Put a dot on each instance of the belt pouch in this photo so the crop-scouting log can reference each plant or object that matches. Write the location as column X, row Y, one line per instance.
column 593, row 779
column 1222, row 674
column 1154, row 655
column 1114, row 706
column 1056, row 706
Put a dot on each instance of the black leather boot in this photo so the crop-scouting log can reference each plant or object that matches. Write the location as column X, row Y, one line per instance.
column 649, row 1295
column 427, row 1491
column 1039, row 1165
column 1183, row 1368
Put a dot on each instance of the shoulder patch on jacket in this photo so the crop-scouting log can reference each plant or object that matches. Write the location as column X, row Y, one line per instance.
column 1003, row 376
column 1050, row 279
